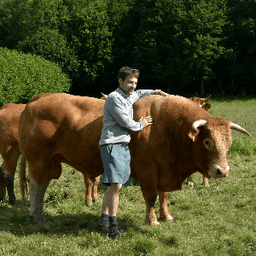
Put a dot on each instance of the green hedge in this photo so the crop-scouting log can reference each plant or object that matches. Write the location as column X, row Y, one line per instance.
column 23, row 75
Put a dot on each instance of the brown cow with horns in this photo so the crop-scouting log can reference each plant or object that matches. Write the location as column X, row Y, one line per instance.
column 66, row 128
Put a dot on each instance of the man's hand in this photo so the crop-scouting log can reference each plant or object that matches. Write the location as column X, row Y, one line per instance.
column 162, row 93
column 146, row 121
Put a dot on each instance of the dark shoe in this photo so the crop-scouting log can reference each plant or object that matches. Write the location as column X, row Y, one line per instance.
column 103, row 229
column 115, row 230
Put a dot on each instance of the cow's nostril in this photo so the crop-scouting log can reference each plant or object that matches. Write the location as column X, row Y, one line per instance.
column 219, row 172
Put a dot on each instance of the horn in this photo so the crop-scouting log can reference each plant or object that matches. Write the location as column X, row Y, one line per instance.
column 205, row 99
column 103, row 96
column 198, row 123
column 239, row 128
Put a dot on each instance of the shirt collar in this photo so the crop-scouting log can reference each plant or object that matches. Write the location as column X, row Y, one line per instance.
column 120, row 91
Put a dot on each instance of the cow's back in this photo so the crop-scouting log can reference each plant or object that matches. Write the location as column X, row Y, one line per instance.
column 9, row 122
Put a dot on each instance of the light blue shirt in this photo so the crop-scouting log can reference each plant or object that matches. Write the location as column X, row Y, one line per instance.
column 118, row 116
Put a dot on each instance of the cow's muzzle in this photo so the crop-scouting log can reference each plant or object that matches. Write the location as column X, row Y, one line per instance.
column 218, row 171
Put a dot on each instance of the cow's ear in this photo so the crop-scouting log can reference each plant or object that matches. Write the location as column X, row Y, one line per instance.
column 193, row 135
column 193, row 132
column 207, row 106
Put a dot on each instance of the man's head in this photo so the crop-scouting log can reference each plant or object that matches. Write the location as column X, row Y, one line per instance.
column 128, row 79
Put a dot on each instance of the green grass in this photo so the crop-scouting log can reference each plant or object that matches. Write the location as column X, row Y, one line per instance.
column 242, row 112
column 215, row 220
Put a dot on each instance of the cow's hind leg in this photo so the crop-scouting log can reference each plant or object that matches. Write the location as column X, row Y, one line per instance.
column 95, row 189
column 205, row 181
column 88, row 186
column 164, row 211
column 190, row 181
column 150, row 199
column 91, row 189
column 37, row 188
column 9, row 181
column 2, row 185
column 9, row 169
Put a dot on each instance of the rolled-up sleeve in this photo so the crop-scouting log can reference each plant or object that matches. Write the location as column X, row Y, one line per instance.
column 143, row 93
column 119, row 112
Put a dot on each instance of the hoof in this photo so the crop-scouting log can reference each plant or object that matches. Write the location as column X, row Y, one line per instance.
column 154, row 223
column 94, row 199
column 88, row 203
column 167, row 218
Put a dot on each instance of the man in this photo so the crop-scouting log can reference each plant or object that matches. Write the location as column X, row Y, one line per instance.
column 115, row 135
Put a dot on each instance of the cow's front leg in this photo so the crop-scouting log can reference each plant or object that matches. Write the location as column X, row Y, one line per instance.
column 164, row 211
column 150, row 209
column 9, row 181
column 37, row 192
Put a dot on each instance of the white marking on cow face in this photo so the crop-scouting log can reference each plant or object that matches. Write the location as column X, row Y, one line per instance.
column 218, row 147
column 218, row 172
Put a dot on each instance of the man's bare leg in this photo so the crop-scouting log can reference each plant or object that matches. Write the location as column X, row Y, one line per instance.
column 109, row 211
column 111, row 199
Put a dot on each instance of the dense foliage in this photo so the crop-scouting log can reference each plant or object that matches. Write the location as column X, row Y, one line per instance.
column 180, row 46
column 24, row 75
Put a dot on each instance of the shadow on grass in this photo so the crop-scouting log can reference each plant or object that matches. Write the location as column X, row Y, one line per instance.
column 16, row 220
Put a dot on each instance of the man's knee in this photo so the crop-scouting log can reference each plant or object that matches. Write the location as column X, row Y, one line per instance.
column 115, row 186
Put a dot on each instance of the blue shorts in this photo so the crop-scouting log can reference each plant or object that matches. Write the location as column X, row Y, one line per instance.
column 116, row 160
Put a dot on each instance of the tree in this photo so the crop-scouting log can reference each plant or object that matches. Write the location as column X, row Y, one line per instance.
column 88, row 33
column 51, row 45
column 239, row 64
column 74, row 34
column 178, row 41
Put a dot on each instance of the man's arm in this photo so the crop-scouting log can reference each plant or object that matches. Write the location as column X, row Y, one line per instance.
column 117, row 109
column 119, row 113
column 143, row 93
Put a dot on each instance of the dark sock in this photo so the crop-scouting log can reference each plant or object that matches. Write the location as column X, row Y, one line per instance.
column 104, row 219
column 112, row 219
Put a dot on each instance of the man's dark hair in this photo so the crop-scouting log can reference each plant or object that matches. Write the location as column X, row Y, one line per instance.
column 126, row 71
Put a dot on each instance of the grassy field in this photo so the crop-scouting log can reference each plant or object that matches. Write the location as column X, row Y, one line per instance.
column 215, row 220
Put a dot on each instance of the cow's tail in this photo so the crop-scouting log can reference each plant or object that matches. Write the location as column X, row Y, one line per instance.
column 23, row 179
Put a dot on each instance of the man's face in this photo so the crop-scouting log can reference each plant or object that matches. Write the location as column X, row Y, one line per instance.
column 129, row 84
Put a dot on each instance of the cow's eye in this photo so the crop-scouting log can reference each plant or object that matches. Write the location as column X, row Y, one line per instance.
column 207, row 143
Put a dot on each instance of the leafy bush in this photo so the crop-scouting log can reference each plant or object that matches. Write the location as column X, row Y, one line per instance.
column 25, row 75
